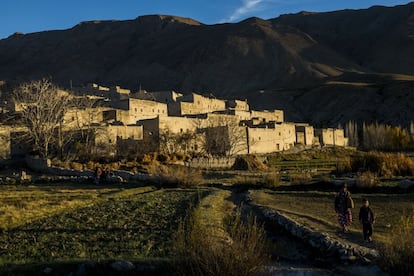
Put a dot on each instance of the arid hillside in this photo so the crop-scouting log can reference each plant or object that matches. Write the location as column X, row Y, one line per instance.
column 323, row 68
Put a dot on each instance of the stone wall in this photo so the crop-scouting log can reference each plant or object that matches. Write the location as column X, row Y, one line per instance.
column 346, row 252
column 211, row 163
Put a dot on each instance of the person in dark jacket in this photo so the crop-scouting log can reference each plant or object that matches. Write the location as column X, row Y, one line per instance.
column 343, row 206
column 366, row 217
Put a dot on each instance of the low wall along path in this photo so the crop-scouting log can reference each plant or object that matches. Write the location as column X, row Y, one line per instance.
column 345, row 251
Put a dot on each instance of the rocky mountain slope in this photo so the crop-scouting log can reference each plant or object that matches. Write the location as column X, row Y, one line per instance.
column 323, row 68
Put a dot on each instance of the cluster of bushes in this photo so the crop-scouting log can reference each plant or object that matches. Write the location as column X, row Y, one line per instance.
column 367, row 180
column 398, row 252
column 383, row 164
column 376, row 136
column 199, row 252
column 142, row 162
column 177, row 176
column 325, row 154
column 270, row 179
column 90, row 165
column 386, row 137
column 163, row 158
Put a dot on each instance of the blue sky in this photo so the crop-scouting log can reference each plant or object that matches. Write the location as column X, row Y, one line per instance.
column 39, row 15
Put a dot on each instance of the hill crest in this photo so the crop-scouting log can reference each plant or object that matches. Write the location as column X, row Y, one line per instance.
column 296, row 55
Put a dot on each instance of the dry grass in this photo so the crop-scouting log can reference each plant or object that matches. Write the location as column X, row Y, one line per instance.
column 272, row 179
column 237, row 249
column 398, row 252
column 300, row 178
column 384, row 164
column 345, row 166
column 249, row 163
column 367, row 180
column 269, row 180
column 180, row 176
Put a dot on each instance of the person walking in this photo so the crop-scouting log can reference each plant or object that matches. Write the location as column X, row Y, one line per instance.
column 97, row 175
column 366, row 217
column 343, row 206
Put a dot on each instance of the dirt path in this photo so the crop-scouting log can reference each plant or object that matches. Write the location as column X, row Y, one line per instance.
column 318, row 216
column 212, row 211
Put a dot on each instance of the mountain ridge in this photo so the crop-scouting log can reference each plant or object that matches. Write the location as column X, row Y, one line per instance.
column 304, row 56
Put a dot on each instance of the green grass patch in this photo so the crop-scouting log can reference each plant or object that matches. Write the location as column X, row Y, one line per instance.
column 112, row 223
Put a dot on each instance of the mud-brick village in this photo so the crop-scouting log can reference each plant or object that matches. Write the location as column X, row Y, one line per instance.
column 168, row 122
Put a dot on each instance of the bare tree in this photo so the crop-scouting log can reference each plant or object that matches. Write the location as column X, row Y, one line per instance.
column 42, row 108
column 183, row 142
column 225, row 137
column 84, row 120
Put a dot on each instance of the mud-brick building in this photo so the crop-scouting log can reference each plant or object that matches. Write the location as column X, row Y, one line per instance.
column 172, row 134
column 226, row 140
column 237, row 105
column 267, row 116
column 195, row 104
column 305, row 134
column 271, row 137
column 256, row 117
column 339, row 138
column 130, row 110
column 167, row 96
column 110, row 93
column 110, row 134
column 76, row 118
column 331, row 137
column 13, row 142
column 112, row 139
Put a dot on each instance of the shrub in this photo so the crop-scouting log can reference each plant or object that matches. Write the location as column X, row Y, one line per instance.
column 398, row 253
column 179, row 156
column 148, row 158
column 152, row 168
column 384, row 164
column 344, row 165
column 272, row 179
column 244, row 180
column 163, row 158
column 61, row 164
column 367, row 180
column 180, row 176
column 301, row 178
column 248, row 163
column 113, row 166
column 199, row 251
column 129, row 165
column 90, row 165
column 76, row 166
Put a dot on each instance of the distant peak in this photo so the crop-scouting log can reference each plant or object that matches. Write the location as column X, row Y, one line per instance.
column 254, row 19
column 306, row 13
column 95, row 22
column 168, row 18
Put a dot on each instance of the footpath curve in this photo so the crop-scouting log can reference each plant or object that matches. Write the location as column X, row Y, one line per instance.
column 347, row 252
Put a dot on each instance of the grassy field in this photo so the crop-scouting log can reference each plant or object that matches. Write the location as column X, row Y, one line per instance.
column 315, row 209
column 55, row 223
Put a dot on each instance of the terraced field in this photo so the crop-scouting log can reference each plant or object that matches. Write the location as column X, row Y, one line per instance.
column 63, row 223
